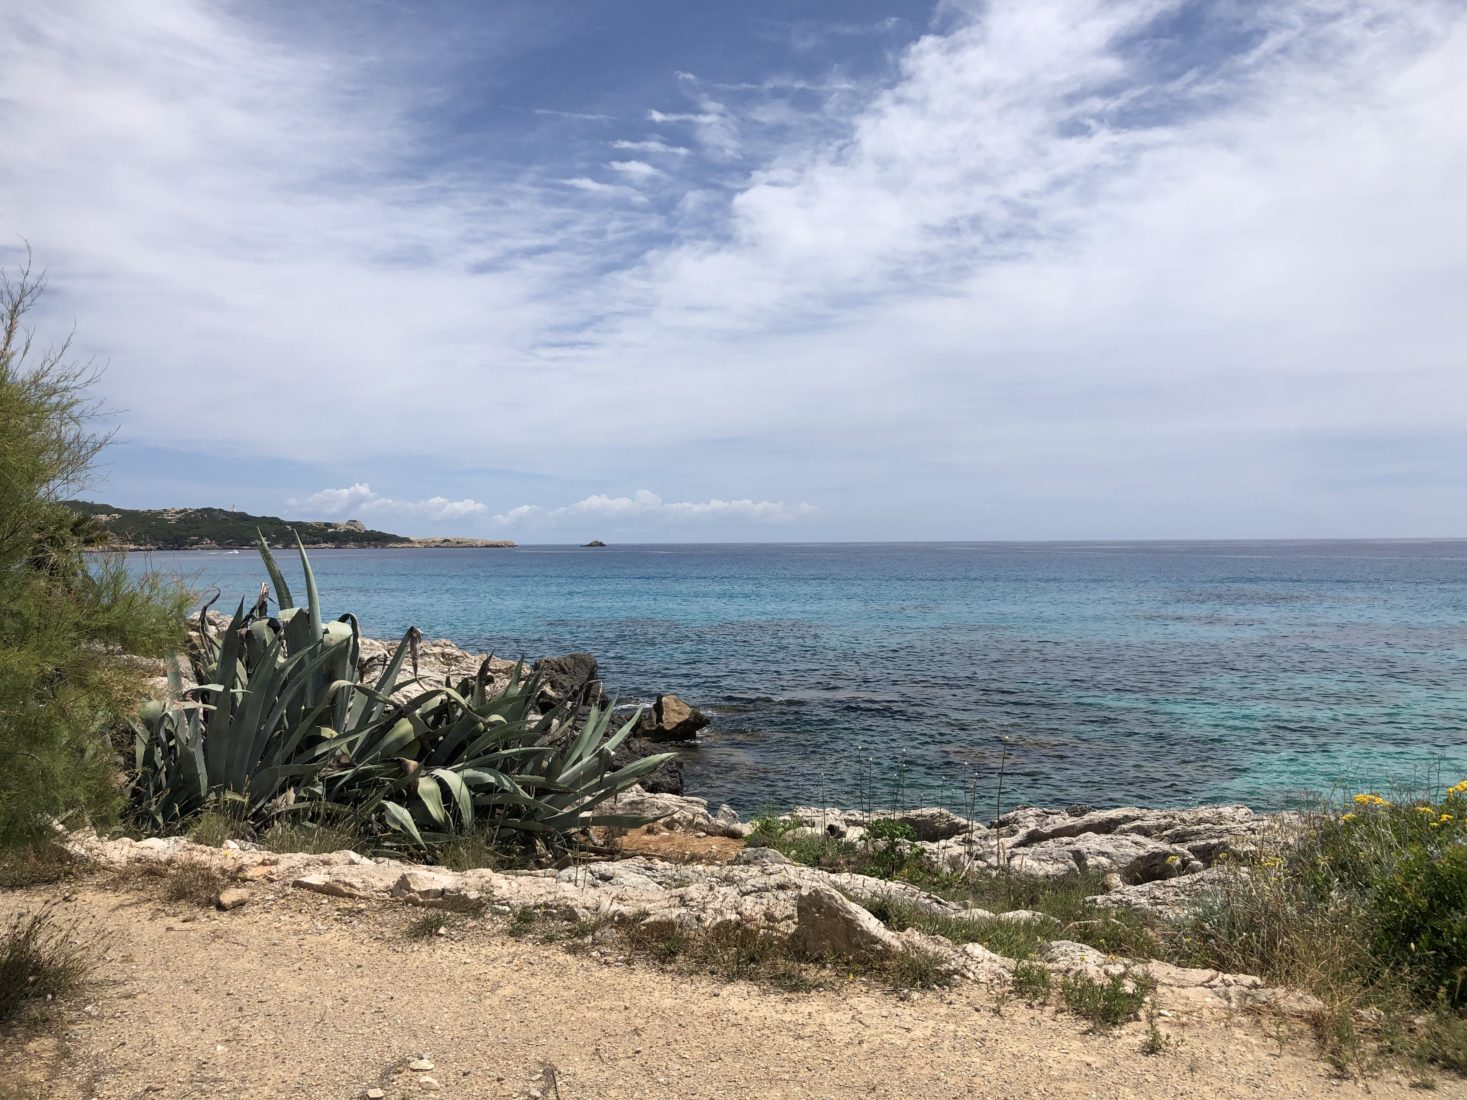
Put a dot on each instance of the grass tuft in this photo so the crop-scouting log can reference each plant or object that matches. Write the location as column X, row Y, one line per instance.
column 213, row 827
column 41, row 958
column 195, row 883
column 42, row 864
column 427, row 926
column 312, row 838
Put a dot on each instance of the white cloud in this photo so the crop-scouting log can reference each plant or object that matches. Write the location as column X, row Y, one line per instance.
column 714, row 126
column 359, row 499
column 583, row 116
column 644, row 504
column 1057, row 275
column 610, row 190
column 650, row 146
column 637, row 169
column 516, row 515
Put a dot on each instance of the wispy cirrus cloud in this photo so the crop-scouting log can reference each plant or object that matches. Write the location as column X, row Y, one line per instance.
column 636, row 169
column 650, row 146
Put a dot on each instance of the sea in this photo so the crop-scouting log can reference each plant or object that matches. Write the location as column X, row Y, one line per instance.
column 970, row 674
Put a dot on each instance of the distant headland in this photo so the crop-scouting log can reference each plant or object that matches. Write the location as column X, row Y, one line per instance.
column 225, row 529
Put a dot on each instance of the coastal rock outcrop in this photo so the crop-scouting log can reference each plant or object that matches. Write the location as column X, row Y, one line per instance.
column 439, row 663
column 574, row 677
column 1136, row 845
column 817, row 913
column 671, row 719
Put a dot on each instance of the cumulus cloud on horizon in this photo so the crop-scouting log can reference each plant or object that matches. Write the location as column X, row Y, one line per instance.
column 645, row 504
column 359, row 499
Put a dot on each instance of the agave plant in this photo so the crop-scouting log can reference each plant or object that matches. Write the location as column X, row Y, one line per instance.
column 281, row 721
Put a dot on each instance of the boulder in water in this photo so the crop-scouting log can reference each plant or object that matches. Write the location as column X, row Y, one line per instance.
column 672, row 720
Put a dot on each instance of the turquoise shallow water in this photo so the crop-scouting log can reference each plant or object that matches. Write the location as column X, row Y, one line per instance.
column 1120, row 672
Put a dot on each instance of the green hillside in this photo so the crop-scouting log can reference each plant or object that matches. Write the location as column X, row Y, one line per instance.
column 188, row 528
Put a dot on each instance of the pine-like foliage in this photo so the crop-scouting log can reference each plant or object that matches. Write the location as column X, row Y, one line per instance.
column 67, row 618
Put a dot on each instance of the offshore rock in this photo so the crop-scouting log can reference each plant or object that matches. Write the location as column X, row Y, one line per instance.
column 671, row 719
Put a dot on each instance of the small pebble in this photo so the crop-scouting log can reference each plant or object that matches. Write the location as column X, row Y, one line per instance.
column 421, row 1065
column 375, row 1094
column 428, row 1084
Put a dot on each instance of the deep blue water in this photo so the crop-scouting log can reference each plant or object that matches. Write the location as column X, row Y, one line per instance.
column 1153, row 673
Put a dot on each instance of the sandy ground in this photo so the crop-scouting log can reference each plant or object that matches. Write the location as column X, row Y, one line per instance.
column 301, row 995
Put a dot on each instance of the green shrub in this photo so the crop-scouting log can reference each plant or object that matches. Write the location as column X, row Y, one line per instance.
column 1031, row 981
column 69, row 620
column 1363, row 906
column 1420, row 914
column 212, row 827
column 313, row 838
column 888, row 830
column 1109, row 1003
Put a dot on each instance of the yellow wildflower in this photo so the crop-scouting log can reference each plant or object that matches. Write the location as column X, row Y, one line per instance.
column 1460, row 788
column 1370, row 800
column 1347, row 817
column 1445, row 818
column 1425, row 810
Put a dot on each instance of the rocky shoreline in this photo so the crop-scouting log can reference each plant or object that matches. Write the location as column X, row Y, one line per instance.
column 1159, row 861
column 443, row 543
column 692, row 868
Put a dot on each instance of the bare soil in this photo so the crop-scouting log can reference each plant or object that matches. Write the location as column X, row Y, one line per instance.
column 296, row 994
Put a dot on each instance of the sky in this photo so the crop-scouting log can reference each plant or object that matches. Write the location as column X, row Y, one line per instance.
column 806, row 270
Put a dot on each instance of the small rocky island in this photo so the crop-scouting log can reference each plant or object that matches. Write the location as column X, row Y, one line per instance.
column 594, row 543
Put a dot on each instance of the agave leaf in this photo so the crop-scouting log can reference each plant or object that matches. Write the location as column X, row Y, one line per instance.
column 461, row 794
column 277, row 578
column 247, row 735
column 387, row 682
column 229, row 674
column 432, row 798
column 400, row 819
column 589, row 735
column 313, row 598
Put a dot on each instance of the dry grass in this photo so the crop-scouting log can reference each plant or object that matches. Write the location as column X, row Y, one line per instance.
column 427, row 926
column 195, row 883
column 214, row 827
column 42, row 957
column 312, row 838
column 43, row 864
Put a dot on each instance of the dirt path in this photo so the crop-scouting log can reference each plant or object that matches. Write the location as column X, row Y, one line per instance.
column 300, row 995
